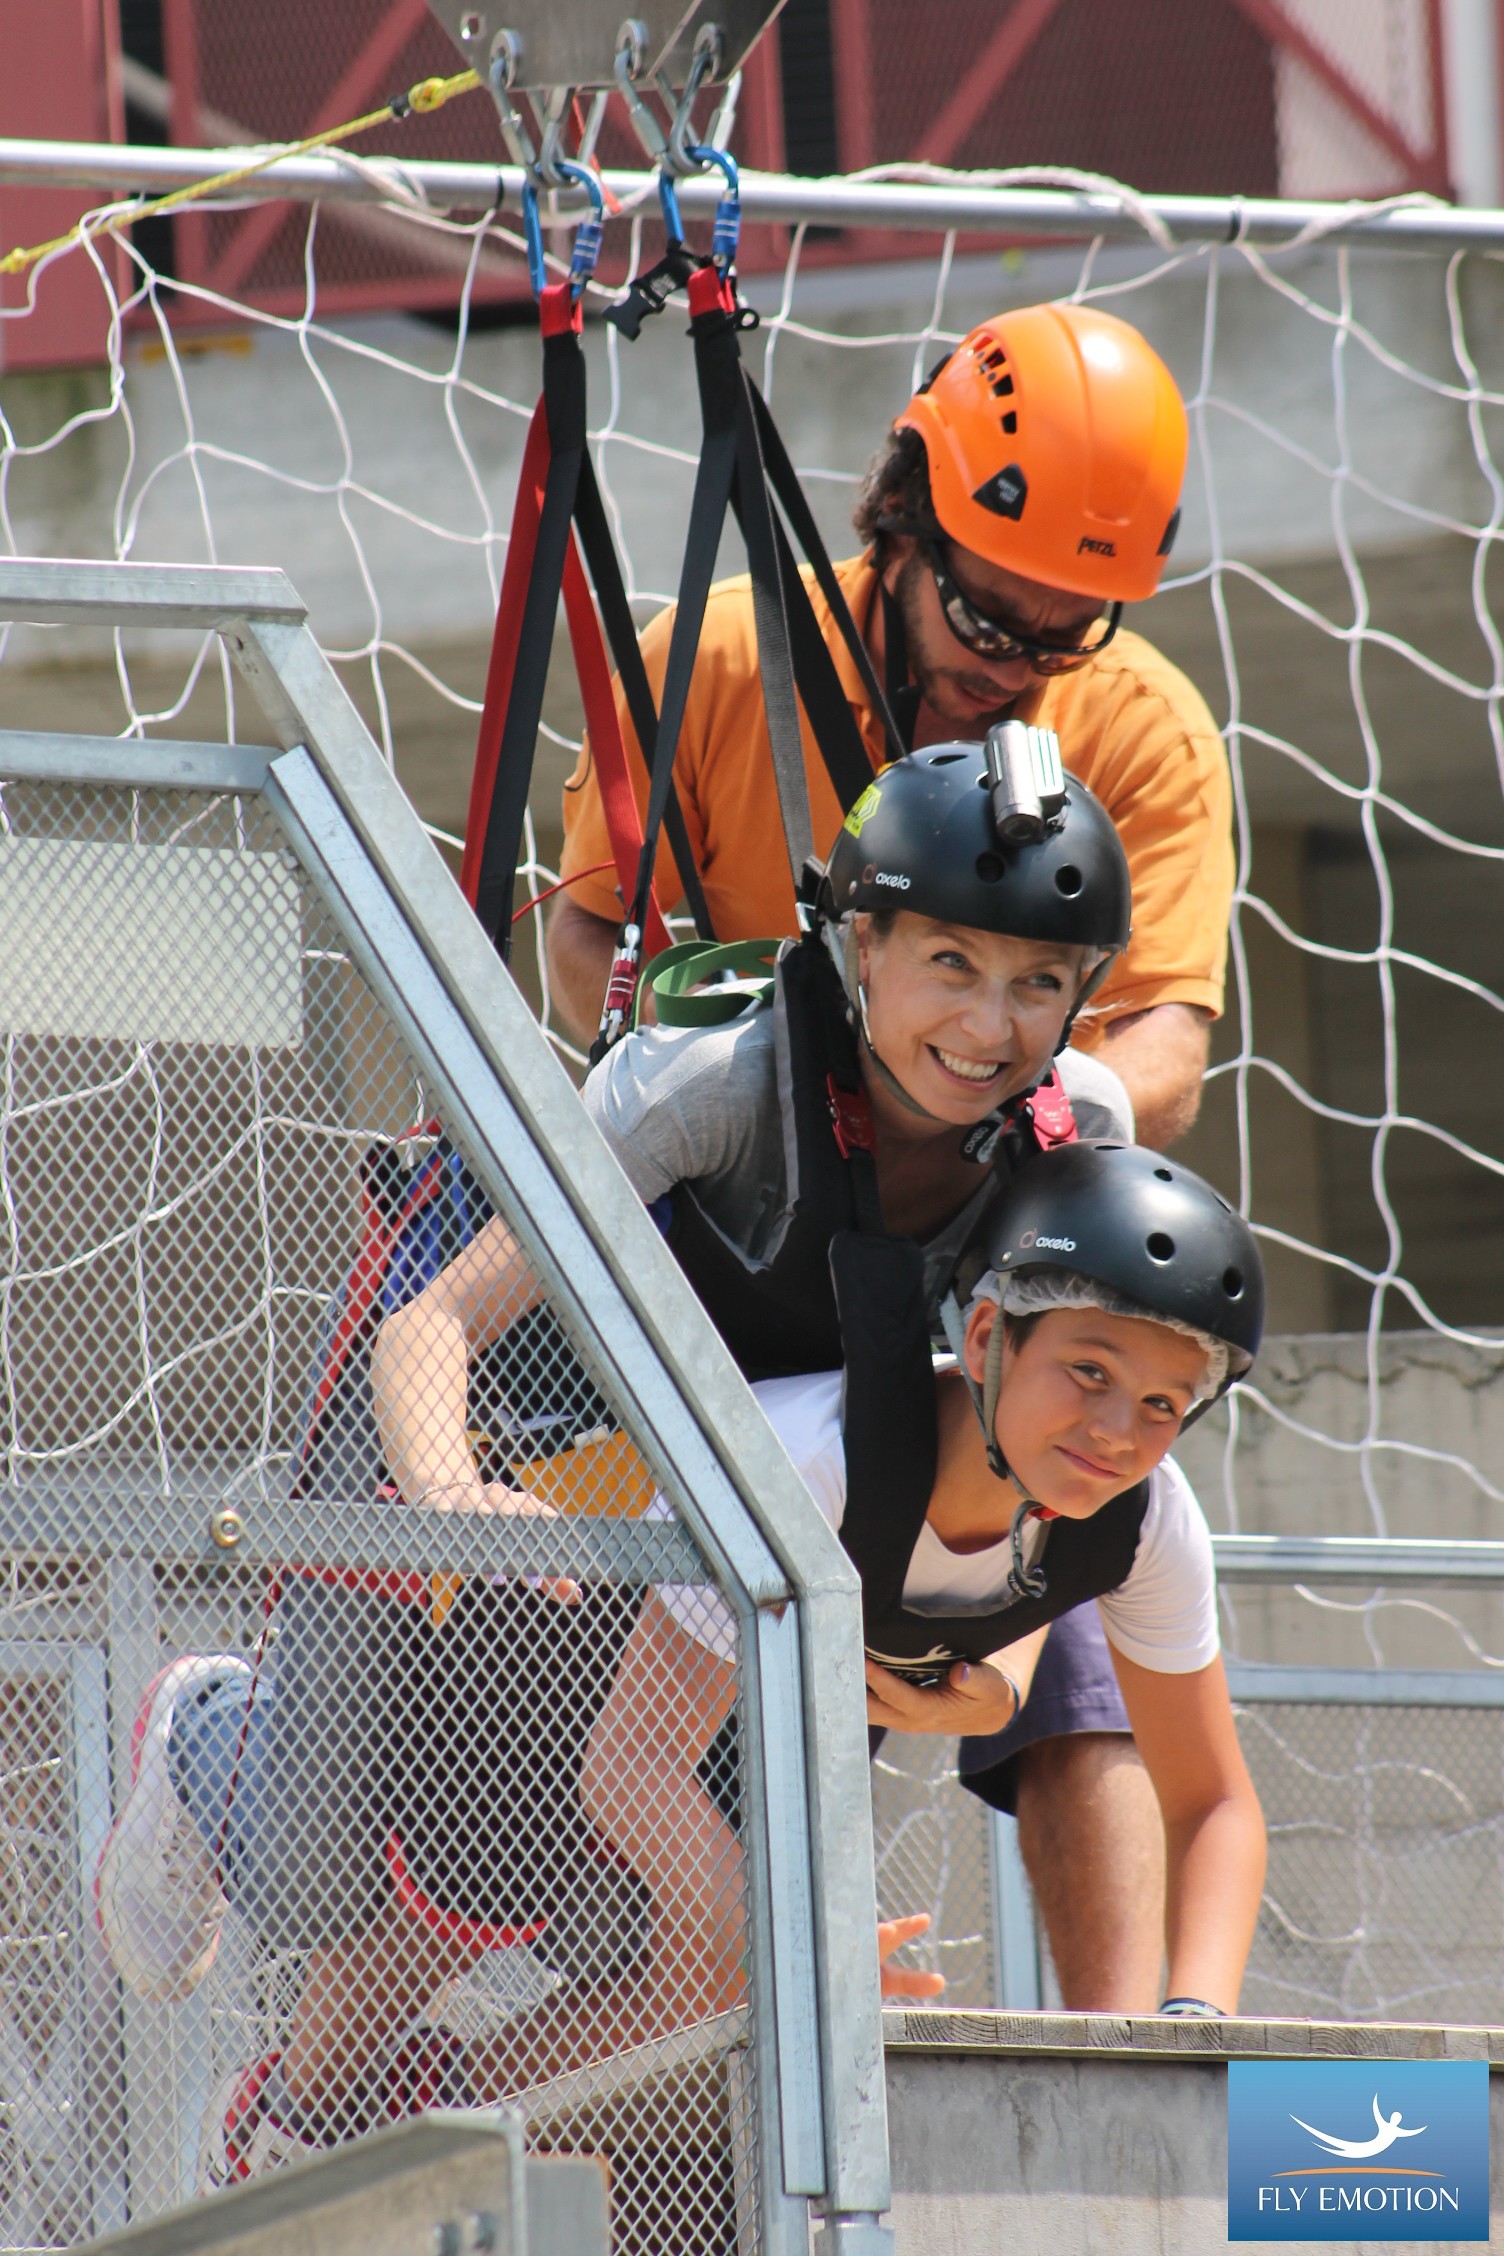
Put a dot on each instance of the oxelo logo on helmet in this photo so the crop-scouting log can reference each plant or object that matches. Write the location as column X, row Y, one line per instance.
column 1045, row 1245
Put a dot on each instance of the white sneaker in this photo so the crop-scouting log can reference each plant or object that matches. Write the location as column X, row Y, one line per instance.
column 244, row 2136
column 241, row 2138
column 156, row 1893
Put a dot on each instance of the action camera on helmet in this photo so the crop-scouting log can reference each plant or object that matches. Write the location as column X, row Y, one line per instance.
column 1027, row 781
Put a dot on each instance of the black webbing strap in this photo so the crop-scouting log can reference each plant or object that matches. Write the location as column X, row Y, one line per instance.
column 564, row 406
column 903, row 695
column 753, row 503
column 801, row 517
column 707, row 514
column 571, row 497
column 795, row 661
column 621, row 634
column 824, row 700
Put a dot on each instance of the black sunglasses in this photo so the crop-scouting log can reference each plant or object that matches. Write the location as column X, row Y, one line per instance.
column 988, row 638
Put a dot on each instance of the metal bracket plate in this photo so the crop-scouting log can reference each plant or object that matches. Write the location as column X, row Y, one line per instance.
column 575, row 45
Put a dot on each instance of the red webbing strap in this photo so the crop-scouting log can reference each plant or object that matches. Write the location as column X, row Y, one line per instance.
column 504, row 640
column 368, row 1273
column 557, row 313
column 608, row 750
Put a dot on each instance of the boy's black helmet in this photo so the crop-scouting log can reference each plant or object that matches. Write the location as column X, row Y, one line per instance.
column 1143, row 1225
column 922, row 837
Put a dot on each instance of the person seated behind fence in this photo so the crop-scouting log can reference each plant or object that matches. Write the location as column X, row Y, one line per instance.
column 475, row 1839
column 896, row 1070
column 1104, row 1345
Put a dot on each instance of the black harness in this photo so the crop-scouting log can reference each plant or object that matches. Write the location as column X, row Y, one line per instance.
column 781, row 1318
column 840, row 1291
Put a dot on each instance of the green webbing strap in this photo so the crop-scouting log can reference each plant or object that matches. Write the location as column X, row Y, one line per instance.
column 671, row 976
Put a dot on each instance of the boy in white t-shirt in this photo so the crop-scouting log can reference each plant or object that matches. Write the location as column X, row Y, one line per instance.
column 1123, row 1294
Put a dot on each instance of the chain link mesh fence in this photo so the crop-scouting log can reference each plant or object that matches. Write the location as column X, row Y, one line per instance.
column 382, row 1855
column 1384, row 1899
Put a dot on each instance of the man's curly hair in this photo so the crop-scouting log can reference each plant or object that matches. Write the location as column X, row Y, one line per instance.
column 895, row 490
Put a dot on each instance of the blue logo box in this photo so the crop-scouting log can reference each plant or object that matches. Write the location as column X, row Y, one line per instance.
column 1370, row 2150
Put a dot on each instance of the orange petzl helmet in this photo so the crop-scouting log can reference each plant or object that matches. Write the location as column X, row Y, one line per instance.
column 1056, row 443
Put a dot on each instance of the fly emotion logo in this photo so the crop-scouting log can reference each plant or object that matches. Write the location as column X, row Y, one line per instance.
column 1370, row 2150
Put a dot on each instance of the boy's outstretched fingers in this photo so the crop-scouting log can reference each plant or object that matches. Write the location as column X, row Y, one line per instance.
column 905, row 1981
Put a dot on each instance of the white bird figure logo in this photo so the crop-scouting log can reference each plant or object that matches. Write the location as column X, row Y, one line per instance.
column 1356, row 2149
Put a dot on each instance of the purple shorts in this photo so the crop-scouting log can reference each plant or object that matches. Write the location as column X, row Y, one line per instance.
column 1075, row 1688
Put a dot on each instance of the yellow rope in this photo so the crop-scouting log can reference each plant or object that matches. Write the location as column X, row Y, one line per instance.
column 429, row 94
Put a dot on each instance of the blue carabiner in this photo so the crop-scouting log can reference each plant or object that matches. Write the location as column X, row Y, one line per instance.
column 668, row 204
column 588, row 235
column 532, row 231
column 728, row 212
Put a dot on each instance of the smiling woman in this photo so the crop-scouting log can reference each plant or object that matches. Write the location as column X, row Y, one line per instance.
column 887, row 1089
column 953, row 1011
column 812, row 1190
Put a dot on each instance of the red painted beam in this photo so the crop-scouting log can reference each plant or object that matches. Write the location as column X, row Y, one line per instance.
column 1422, row 168
column 851, row 41
column 365, row 83
column 59, row 80
column 985, row 79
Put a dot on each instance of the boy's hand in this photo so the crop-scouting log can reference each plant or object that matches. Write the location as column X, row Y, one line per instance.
column 905, row 1981
column 518, row 1502
column 974, row 1701
column 497, row 1500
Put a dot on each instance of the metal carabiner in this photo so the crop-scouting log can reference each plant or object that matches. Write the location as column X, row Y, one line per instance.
column 668, row 204
column 728, row 212
column 532, row 231
column 588, row 235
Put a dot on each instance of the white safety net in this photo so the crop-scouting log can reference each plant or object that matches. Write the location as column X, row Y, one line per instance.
column 1330, row 598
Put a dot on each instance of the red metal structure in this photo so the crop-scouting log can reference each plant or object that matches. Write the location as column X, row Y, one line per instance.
column 1172, row 95
column 59, row 81
column 1192, row 96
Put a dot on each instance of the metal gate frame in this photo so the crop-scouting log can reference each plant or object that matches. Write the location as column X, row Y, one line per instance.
column 808, row 1838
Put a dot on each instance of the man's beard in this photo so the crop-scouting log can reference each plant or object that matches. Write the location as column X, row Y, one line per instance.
column 935, row 682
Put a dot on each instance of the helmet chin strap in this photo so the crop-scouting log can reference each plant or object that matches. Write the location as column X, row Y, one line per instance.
column 1024, row 1581
column 885, row 1073
column 844, row 948
column 983, row 1397
column 1084, row 993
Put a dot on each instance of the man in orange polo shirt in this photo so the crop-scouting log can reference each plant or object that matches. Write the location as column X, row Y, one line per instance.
column 1027, row 491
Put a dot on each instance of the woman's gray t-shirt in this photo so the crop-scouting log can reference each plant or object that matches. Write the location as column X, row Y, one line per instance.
column 709, row 1106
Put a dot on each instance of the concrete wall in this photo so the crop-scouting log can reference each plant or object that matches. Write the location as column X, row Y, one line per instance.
column 1059, row 2135
column 300, row 448
column 1298, row 1465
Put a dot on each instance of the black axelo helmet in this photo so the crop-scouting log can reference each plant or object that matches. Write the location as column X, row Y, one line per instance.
column 1143, row 1225
column 922, row 837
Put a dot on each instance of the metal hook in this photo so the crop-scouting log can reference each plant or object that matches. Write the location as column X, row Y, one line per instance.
column 728, row 212
column 703, row 65
column 587, row 238
column 532, row 230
